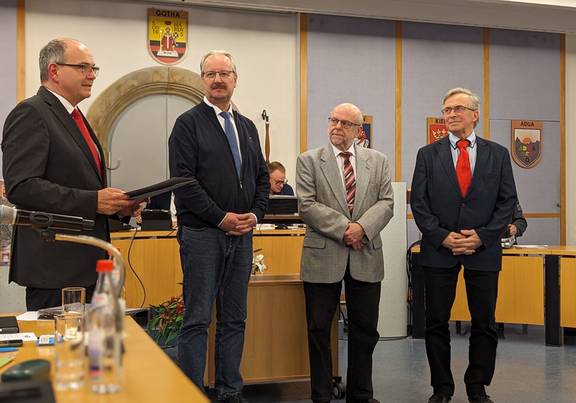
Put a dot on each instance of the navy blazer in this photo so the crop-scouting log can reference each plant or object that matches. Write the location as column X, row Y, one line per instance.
column 439, row 207
column 48, row 167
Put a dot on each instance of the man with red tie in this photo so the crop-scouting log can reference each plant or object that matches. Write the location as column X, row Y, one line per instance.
column 463, row 195
column 345, row 197
column 53, row 162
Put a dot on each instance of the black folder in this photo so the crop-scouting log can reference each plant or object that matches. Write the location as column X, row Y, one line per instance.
column 159, row 188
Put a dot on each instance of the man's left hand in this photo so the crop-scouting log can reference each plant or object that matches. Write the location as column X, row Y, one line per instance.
column 468, row 244
column 133, row 210
column 246, row 222
column 353, row 235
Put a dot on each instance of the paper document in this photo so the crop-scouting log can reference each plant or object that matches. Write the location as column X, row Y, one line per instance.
column 27, row 336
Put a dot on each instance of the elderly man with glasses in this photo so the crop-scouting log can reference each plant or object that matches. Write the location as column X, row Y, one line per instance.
column 463, row 196
column 345, row 198
column 218, row 147
column 53, row 162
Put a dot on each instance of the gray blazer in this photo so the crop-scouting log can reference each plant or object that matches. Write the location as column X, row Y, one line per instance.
column 322, row 206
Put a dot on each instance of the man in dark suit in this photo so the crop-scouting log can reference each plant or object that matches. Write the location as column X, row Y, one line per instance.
column 463, row 195
column 219, row 148
column 345, row 197
column 53, row 162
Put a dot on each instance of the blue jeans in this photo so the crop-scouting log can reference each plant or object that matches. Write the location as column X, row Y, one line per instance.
column 216, row 267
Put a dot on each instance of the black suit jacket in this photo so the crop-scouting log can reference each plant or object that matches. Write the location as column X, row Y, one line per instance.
column 48, row 167
column 199, row 149
column 439, row 208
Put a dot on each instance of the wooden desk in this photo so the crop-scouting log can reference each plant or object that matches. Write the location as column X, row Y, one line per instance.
column 150, row 376
column 155, row 257
column 276, row 341
column 537, row 286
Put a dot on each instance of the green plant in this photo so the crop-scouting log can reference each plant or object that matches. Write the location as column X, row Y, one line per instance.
column 166, row 320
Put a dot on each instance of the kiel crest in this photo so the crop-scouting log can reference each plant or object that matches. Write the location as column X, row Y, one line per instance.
column 167, row 35
column 527, row 142
column 436, row 130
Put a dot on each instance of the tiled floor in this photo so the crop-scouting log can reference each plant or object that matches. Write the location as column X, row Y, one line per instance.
column 526, row 372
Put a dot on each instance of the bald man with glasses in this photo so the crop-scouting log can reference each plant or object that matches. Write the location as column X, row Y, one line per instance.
column 345, row 198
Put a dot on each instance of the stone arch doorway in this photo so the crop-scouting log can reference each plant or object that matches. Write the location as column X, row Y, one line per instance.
column 131, row 112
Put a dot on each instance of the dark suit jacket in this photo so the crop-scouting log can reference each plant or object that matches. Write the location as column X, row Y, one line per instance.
column 48, row 167
column 199, row 149
column 439, row 208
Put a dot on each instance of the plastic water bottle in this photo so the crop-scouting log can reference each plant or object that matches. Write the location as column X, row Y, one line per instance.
column 105, row 334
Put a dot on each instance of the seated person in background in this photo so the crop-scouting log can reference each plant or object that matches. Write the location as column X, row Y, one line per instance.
column 517, row 225
column 278, row 183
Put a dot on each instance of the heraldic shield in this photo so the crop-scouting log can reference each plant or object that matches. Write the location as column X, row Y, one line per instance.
column 526, row 142
column 167, row 35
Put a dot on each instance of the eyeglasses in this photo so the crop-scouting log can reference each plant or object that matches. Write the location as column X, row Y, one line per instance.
column 280, row 181
column 84, row 68
column 458, row 109
column 224, row 75
column 345, row 123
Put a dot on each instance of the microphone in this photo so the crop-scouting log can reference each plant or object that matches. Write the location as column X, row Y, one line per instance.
column 40, row 220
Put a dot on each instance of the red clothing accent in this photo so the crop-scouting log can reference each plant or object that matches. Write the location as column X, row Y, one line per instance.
column 86, row 134
column 463, row 171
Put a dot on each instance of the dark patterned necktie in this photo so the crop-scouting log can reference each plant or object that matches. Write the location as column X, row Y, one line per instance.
column 349, row 181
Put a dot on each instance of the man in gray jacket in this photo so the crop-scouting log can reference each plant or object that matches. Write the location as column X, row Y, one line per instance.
column 345, row 197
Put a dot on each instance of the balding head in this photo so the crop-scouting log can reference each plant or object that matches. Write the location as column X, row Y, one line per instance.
column 344, row 125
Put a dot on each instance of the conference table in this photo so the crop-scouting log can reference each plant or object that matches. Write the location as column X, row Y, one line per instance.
column 537, row 286
column 150, row 375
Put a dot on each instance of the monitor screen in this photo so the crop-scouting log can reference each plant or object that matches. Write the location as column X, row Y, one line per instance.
column 282, row 205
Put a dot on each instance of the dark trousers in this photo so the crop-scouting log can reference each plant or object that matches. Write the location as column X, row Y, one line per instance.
column 482, row 291
column 39, row 298
column 216, row 268
column 362, row 300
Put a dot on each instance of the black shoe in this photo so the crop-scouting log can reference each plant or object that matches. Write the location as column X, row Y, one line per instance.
column 439, row 398
column 236, row 398
column 480, row 399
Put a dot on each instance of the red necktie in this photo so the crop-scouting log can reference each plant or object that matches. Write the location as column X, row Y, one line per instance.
column 463, row 171
column 86, row 134
column 349, row 181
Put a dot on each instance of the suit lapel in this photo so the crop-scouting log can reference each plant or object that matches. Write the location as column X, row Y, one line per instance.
column 482, row 155
column 68, row 123
column 362, row 175
column 329, row 167
column 445, row 155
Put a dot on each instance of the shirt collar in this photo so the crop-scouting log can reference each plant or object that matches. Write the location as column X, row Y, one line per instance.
column 337, row 151
column 216, row 109
column 471, row 138
column 69, row 107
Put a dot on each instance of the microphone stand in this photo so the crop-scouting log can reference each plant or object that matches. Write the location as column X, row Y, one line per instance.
column 48, row 234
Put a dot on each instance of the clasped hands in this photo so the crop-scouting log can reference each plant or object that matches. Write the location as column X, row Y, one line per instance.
column 353, row 236
column 463, row 243
column 237, row 224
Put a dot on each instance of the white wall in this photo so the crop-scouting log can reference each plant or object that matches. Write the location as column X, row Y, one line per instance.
column 264, row 45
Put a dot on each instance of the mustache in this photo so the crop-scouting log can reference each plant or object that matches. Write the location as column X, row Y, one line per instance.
column 216, row 86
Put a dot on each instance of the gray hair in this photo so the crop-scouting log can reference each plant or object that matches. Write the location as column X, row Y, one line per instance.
column 474, row 99
column 52, row 52
column 217, row 52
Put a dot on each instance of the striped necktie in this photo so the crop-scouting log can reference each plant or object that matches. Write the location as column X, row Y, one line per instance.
column 349, row 181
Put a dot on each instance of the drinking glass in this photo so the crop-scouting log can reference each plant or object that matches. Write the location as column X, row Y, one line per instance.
column 69, row 354
column 73, row 299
